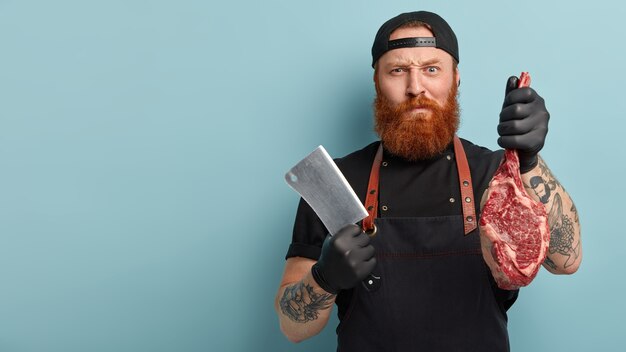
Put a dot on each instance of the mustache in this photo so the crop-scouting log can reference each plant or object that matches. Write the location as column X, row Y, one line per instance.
column 417, row 102
column 416, row 139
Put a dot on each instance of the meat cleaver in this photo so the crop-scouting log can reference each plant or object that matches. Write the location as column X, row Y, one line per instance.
column 321, row 184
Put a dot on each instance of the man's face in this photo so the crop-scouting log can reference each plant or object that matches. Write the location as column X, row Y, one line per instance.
column 407, row 73
column 416, row 107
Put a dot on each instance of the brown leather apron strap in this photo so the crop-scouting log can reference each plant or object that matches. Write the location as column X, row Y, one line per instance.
column 371, row 200
column 465, row 184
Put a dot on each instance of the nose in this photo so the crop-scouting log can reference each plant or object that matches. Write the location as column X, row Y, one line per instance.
column 414, row 85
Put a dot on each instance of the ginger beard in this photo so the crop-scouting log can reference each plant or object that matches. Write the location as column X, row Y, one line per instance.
column 412, row 135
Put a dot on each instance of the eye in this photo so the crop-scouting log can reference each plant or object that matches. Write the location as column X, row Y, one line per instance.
column 398, row 70
column 432, row 69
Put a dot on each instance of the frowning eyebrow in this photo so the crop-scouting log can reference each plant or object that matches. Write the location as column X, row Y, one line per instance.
column 403, row 62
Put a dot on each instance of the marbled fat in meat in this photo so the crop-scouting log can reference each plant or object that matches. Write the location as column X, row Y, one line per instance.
column 514, row 232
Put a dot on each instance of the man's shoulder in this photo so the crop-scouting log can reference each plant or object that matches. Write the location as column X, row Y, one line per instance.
column 482, row 161
column 475, row 151
column 358, row 157
column 356, row 166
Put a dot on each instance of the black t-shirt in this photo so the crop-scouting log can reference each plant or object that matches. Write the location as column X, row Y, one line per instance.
column 406, row 189
column 422, row 188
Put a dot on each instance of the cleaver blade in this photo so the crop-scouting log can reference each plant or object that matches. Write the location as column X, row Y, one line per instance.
column 321, row 184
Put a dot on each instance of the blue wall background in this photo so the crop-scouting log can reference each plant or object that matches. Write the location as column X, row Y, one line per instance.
column 143, row 146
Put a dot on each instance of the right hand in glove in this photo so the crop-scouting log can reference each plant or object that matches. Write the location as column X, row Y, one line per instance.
column 346, row 259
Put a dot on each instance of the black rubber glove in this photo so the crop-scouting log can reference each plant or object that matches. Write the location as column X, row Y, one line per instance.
column 523, row 123
column 346, row 259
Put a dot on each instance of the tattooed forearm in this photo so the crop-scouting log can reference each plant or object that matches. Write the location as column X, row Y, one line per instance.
column 562, row 233
column 547, row 174
column 301, row 304
column 564, row 250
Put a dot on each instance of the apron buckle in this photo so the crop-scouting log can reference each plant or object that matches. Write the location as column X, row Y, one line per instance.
column 372, row 232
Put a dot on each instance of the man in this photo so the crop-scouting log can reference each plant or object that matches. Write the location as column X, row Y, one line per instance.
column 420, row 282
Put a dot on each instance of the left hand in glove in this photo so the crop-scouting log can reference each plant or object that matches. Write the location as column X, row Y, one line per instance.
column 523, row 123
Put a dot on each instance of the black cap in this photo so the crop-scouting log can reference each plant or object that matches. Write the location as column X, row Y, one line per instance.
column 444, row 36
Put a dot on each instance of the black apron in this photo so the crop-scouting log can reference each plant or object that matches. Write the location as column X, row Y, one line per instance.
column 430, row 291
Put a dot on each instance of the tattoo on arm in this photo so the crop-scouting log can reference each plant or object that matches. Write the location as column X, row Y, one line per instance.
column 541, row 188
column 547, row 174
column 575, row 212
column 561, row 222
column 301, row 304
column 543, row 167
column 550, row 263
column 562, row 233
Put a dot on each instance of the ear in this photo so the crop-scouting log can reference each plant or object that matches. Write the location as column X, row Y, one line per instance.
column 375, row 78
column 375, row 71
column 457, row 77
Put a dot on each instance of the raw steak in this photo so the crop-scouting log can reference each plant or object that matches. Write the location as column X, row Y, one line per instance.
column 514, row 232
